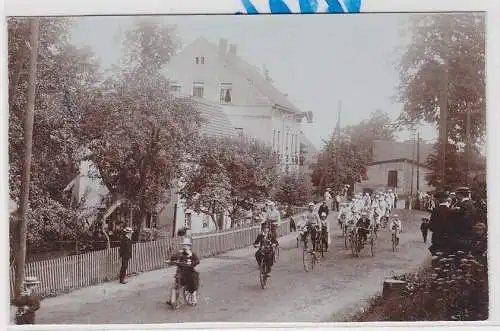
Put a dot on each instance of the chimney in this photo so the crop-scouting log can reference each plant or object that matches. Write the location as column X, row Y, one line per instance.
column 222, row 46
column 233, row 49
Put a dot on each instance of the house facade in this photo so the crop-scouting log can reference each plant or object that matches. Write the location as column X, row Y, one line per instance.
column 395, row 166
column 254, row 106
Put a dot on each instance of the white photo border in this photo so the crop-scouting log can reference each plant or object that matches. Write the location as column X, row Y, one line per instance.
column 145, row 7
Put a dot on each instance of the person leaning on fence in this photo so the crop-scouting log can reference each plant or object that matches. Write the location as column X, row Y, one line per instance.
column 27, row 303
column 125, row 252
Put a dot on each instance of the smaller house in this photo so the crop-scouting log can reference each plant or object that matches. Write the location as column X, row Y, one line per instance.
column 395, row 166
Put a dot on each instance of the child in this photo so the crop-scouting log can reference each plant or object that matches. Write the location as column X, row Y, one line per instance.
column 424, row 227
column 27, row 303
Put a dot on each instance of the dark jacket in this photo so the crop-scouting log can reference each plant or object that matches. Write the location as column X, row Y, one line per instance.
column 323, row 209
column 263, row 241
column 32, row 302
column 125, row 248
column 183, row 257
column 424, row 227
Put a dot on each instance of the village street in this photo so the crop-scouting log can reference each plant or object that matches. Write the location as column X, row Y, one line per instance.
column 230, row 289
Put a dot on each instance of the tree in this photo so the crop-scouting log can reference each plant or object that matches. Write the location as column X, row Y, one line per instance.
column 340, row 162
column 377, row 127
column 237, row 172
column 455, row 167
column 65, row 74
column 344, row 157
column 455, row 42
column 293, row 190
column 138, row 132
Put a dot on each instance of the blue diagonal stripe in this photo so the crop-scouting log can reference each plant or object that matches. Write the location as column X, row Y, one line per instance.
column 353, row 6
column 278, row 7
column 308, row 6
column 249, row 7
column 334, row 6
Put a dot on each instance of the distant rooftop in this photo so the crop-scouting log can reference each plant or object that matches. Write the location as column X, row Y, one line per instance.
column 384, row 150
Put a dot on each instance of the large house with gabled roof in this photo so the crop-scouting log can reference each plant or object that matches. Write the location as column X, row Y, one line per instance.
column 255, row 107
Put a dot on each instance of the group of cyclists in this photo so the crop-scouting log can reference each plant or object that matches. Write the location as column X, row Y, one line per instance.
column 362, row 212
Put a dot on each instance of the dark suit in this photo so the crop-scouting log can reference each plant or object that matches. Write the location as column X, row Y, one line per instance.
column 441, row 228
column 323, row 209
column 125, row 254
column 27, row 306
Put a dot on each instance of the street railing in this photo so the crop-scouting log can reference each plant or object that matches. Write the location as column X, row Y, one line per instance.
column 65, row 274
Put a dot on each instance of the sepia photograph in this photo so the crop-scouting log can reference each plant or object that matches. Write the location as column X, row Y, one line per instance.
column 247, row 168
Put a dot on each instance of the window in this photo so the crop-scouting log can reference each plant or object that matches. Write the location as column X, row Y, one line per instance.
column 239, row 131
column 274, row 140
column 278, row 146
column 392, row 178
column 198, row 89
column 197, row 60
column 187, row 222
column 226, row 91
column 202, row 60
column 175, row 87
column 206, row 221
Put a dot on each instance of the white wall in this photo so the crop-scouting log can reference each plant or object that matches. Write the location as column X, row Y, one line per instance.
column 183, row 69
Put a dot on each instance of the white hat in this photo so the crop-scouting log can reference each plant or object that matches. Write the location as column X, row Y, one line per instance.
column 323, row 214
column 128, row 230
column 310, row 204
column 187, row 241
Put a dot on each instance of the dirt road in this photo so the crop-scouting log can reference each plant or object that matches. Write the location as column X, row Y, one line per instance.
column 230, row 289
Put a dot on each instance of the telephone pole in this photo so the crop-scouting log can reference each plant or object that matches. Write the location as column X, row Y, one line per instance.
column 418, row 161
column 28, row 146
column 468, row 146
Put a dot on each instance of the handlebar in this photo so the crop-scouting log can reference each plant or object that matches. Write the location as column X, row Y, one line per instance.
column 179, row 264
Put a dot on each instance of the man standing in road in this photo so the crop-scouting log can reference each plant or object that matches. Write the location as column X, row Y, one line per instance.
column 337, row 202
column 125, row 253
column 328, row 195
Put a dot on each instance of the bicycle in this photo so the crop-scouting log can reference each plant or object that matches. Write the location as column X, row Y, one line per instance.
column 357, row 243
column 348, row 230
column 264, row 268
column 309, row 258
column 189, row 298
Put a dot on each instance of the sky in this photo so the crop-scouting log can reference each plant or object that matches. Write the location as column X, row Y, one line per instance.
column 318, row 60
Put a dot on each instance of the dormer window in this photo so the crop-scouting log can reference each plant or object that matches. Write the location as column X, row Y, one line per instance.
column 199, row 60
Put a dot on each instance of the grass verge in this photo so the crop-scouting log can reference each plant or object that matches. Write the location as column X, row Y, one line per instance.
column 454, row 288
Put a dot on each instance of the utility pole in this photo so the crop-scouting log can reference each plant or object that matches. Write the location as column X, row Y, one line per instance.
column 418, row 161
column 468, row 146
column 412, row 170
column 337, row 140
column 443, row 110
column 28, row 146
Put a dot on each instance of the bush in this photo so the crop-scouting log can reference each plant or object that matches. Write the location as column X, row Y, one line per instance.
column 455, row 288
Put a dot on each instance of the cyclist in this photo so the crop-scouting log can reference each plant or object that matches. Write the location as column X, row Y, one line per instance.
column 363, row 225
column 265, row 253
column 189, row 276
column 395, row 225
column 312, row 220
column 344, row 214
column 325, row 230
column 273, row 217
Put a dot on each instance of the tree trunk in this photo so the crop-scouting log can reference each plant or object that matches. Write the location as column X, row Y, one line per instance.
column 28, row 143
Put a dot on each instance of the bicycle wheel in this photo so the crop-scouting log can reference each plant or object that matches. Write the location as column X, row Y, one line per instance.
column 174, row 300
column 307, row 260
column 372, row 243
column 354, row 239
column 263, row 276
column 346, row 238
column 393, row 242
column 189, row 297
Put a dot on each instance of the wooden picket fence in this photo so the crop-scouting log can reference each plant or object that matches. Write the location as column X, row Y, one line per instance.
column 65, row 274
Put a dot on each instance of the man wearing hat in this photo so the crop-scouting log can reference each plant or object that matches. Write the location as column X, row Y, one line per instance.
column 189, row 276
column 440, row 223
column 312, row 220
column 125, row 252
column 27, row 303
